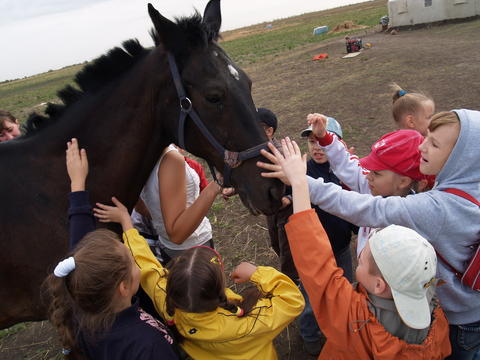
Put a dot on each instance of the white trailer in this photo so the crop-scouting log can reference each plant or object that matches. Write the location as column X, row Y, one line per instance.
column 414, row 12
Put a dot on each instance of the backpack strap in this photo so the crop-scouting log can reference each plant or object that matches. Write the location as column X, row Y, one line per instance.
column 462, row 194
column 468, row 197
column 455, row 271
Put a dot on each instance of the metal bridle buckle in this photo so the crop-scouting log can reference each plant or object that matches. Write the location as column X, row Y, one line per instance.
column 185, row 104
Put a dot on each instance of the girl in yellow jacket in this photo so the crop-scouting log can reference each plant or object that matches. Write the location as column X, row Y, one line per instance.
column 213, row 322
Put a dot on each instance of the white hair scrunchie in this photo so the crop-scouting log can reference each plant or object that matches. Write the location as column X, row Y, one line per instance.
column 64, row 267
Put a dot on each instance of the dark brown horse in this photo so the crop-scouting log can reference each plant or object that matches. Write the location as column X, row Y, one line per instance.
column 124, row 112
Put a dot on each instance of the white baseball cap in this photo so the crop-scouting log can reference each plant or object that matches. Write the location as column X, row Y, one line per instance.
column 408, row 264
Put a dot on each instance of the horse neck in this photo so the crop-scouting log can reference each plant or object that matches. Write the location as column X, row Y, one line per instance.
column 122, row 129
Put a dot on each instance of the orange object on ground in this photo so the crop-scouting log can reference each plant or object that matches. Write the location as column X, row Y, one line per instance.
column 320, row 57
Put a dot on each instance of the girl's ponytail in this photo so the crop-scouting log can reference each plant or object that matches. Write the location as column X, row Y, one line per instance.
column 61, row 315
column 406, row 102
column 82, row 301
column 398, row 92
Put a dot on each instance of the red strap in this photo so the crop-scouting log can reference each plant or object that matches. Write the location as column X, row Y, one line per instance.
column 462, row 194
column 468, row 197
column 455, row 271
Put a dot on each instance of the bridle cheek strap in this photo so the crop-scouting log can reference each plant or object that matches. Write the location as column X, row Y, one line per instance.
column 231, row 159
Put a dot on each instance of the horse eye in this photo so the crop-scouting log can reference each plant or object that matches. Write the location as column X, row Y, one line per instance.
column 214, row 98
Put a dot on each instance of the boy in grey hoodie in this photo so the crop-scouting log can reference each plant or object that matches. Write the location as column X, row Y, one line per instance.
column 451, row 151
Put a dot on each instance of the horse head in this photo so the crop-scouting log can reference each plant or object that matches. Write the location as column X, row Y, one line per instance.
column 220, row 93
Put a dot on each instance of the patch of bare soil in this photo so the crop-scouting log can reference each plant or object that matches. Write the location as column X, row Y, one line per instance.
column 441, row 60
column 347, row 26
column 30, row 341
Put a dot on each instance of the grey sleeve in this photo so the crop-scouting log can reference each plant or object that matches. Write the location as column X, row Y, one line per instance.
column 419, row 212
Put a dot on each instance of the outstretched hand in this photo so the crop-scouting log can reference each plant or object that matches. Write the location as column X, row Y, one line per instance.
column 319, row 124
column 289, row 167
column 117, row 213
column 77, row 166
column 243, row 272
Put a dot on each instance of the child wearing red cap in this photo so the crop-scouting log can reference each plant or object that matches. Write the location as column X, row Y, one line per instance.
column 391, row 168
column 413, row 110
column 390, row 313
column 450, row 222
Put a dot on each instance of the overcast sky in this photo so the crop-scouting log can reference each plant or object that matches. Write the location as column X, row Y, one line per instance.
column 39, row 35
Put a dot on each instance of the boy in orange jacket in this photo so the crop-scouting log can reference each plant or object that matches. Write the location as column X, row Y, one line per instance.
column 391, row 313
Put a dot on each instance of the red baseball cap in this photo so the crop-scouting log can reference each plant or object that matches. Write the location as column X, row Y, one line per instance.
column 398, row 152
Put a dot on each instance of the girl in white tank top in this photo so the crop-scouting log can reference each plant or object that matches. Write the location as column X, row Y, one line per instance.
column 177, row 208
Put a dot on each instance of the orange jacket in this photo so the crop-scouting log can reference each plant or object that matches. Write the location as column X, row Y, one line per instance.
column 342, row 312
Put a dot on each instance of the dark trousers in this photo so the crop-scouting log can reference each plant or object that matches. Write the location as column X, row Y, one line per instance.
column 279, row 241
column 465, row 340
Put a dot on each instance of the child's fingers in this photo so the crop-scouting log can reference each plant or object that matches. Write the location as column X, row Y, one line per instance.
column 285, row 149
column 99, row 212
column 275, row 174
column 101, row 206
column 267, row 166
column 83, row 156
column 74, row 144
column 291, row 148
column 269, row 156
column 103, row 218
column 116, row 201
column 275, row 151
column 296, row 148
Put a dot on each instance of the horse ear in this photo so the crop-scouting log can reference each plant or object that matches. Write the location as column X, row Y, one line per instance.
column 212, row 18
column 166, row 30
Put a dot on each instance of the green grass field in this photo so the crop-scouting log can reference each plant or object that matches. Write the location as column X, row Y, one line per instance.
column 295, row 32
column 26, row 95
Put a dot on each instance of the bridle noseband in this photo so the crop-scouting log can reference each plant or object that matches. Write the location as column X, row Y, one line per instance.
column 231, row 159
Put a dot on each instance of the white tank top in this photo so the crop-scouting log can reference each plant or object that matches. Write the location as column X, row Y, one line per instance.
column 151, row 197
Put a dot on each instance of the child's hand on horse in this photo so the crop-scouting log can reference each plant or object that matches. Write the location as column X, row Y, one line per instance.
column 243, row 272
column 275, row 169
column 287, row 167
column 319, row 124
column 77, row 165
column 118, row 213
column 293, row 163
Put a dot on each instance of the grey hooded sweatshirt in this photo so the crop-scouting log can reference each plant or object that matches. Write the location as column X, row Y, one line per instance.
column 451, row 223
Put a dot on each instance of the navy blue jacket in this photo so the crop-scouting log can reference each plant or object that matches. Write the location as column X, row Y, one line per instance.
column 135, row 334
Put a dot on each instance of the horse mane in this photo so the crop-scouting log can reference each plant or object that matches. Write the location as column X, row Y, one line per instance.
column 116, row 62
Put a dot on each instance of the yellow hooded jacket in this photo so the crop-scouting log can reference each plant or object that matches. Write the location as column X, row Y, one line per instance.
column 220, row 334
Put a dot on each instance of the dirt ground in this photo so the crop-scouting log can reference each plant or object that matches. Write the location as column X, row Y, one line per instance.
column 443, row 61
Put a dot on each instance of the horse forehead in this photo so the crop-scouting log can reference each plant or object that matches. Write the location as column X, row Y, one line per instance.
column 232, row 70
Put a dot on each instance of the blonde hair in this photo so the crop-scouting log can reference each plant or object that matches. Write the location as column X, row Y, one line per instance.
column 443, row 118
column 405, row 103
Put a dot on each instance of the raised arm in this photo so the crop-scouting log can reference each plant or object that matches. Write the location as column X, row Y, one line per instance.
column 413, row 211
column 153, row 275
column 80, row 215
column 332, row 297
column 181, row 220
column 345, row 166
